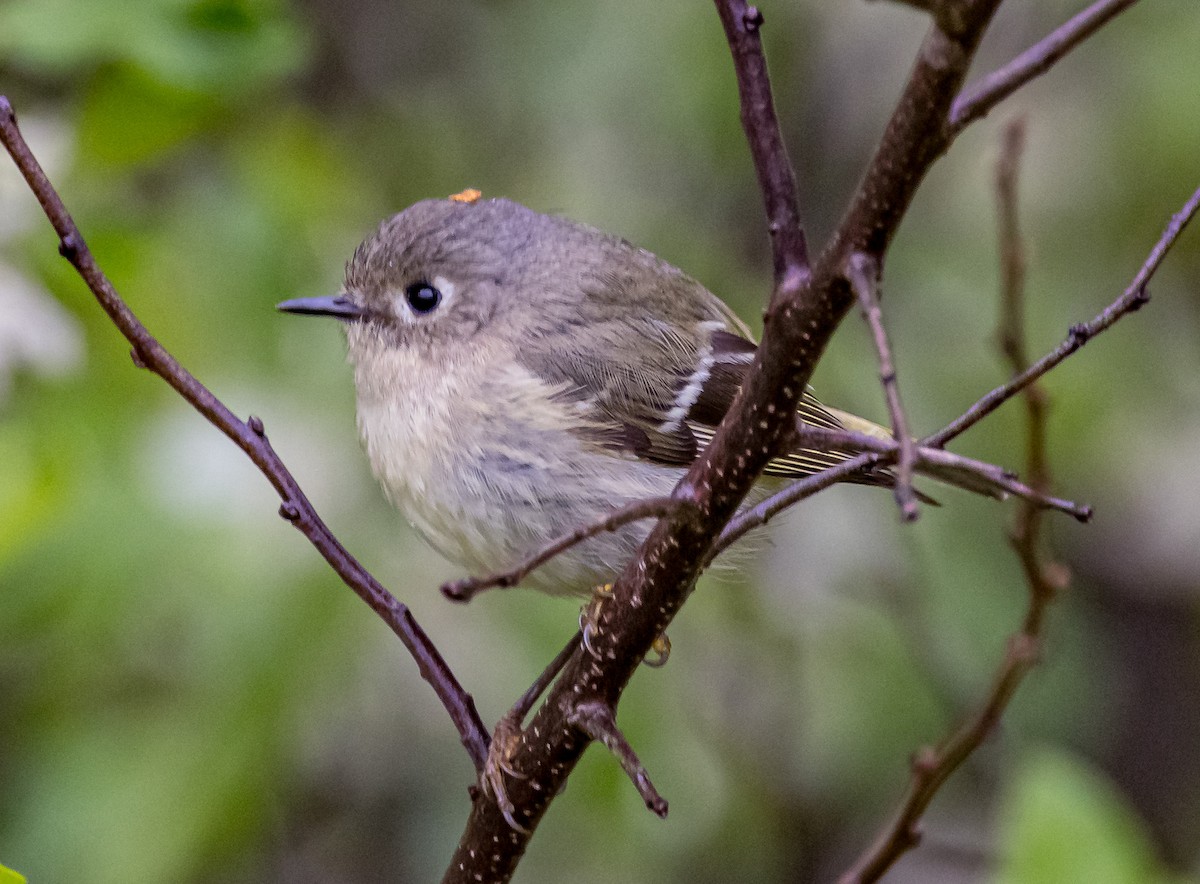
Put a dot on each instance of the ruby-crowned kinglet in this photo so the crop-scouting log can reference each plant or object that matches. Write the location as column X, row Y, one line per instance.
column 519, row 375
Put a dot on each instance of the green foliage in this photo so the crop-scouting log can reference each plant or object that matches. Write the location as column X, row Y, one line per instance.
column 224, row 47
column 1063, row 822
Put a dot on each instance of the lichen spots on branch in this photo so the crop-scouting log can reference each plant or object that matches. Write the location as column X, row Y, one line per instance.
column 468, row 196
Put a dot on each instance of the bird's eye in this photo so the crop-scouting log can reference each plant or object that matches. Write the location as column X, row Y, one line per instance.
column 422, row 297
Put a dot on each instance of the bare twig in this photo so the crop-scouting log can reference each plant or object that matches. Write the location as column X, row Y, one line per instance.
column 932, row 766
column 862, row 270
column 1129, row 301
column 521, row 708
column 932, row 458
column 776, row 177
column 977, row 100
column 762, row 512
column 466, row 588
column 1011, row 331
column 1044, row 580
column 250, row 436
column 508, row 734
column 966, row 473
column 597, row 721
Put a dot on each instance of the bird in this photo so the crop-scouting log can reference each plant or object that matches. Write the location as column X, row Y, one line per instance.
column 520, row 374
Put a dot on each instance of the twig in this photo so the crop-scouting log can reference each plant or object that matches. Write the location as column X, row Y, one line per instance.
column 1005, row 481
column 1129, row 301
column 977, row 100
column 776, row 177
column 521, row 708
column 931, row 767
column 466, row 588
column 1043, row 579
column 1011, row 331
column 862, row 270
column 597, row 721
column 762, row 512
column 251, row 438
column 972, row 475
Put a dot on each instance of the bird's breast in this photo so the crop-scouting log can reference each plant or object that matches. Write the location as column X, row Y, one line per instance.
column 483, row 457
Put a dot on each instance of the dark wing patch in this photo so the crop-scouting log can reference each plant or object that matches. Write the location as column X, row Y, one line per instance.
column 728, row 345
column 732, row 356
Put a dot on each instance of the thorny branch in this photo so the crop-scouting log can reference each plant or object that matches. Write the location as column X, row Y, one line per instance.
column 249, row 436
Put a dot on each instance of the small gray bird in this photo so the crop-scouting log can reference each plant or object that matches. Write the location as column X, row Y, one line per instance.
column 519, row 375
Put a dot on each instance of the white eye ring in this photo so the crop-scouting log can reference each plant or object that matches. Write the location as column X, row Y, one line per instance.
column 422, row 299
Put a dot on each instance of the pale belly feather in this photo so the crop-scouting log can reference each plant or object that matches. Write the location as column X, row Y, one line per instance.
column 463, row 450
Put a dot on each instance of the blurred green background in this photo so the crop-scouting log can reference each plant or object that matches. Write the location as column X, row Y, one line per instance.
column 187, row 692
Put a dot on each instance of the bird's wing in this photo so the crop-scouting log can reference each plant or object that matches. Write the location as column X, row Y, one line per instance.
column 643, row 386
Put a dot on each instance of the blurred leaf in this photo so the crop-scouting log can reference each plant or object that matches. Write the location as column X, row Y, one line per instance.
column 225, row 46
column 1063, row 822
column 130, row 117
column 8, row 876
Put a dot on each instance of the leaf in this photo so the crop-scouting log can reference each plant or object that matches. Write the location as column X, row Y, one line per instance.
column 8, row 876
column 1063, row 822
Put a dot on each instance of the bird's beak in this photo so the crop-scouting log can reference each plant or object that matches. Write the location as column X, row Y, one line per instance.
column 337, row 306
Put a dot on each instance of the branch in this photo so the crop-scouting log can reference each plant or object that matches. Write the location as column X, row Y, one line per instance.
column 1011, row 331
column 761, row 513
column 1043, row 580
column 525, row 703
column 466, row 588
column 599, row 723
column 862, row 270
column 931, row 767
column 251, row 438
column 1133, row 298
column 975, row 476
column 776, row 177
column 976, row 101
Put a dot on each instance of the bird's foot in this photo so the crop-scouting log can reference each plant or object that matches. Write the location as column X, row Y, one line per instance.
column 505, row 742
column 662, row 651
column 589, row 615
column 589, row 624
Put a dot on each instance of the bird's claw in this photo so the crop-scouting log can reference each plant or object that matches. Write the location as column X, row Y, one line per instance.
column 589, row 616
column 662, row 651
column 504, row 745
